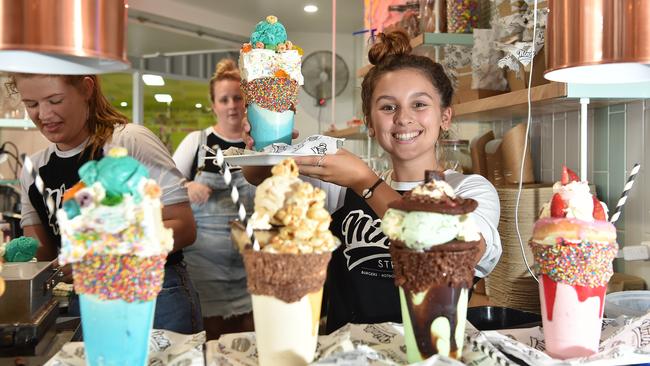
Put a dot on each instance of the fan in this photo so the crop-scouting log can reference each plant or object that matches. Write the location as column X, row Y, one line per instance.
column 317, row 70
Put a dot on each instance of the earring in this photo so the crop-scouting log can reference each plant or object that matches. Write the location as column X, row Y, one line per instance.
column 371, row 132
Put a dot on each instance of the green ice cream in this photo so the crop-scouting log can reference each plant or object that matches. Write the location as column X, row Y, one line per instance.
column 420, row 230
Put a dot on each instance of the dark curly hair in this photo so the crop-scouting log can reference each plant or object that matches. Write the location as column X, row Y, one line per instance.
column 392, row 52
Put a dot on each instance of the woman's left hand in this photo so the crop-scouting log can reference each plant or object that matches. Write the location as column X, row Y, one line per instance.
column 343, row 168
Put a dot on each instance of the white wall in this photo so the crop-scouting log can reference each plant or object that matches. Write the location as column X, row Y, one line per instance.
column 307, row 112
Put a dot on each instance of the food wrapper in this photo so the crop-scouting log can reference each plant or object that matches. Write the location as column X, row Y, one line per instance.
column 521, row 53
column 485, row 74
column 165, row 348
column 312, row 145
column 623, row 343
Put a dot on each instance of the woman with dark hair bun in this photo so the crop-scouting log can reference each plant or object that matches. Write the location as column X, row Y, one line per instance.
column 406, row 101
column 73, row 114
column 215, row 267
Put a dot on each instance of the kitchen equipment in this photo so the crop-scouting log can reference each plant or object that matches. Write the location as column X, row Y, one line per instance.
column 496, row 317
column 454, row 154
column 29, row 288
column 627, row 303
column 28, row 311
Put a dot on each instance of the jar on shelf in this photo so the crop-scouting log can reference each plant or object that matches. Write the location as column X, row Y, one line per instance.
column 433, row 16
column 454, row 154
column 462, row 15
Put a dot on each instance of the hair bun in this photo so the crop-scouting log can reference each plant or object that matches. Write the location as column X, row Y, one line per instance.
column 224, row 66
column 395, row 43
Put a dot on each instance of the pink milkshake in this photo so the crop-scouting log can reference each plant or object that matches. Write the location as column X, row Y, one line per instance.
column 573, row 245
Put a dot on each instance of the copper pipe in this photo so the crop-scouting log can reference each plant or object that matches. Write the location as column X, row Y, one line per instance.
column 82, row 28
column 592, row 32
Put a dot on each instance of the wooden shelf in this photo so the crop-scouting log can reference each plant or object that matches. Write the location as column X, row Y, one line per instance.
column 352, row 133
column 431, row 39
column 546, row 99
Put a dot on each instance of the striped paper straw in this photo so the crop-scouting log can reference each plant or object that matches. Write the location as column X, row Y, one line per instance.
column 38, row 181
column 623, row 199
column 234, row 193
column 489, row 351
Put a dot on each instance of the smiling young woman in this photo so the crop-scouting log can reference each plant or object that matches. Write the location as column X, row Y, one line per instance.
column 407, row 105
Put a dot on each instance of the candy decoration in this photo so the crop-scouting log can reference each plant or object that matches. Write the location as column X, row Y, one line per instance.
column 38, row 181
column 626, row 189
column 234, row 194
column 277, row 94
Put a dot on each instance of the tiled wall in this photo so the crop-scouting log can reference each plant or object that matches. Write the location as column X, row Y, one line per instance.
column 616, row 136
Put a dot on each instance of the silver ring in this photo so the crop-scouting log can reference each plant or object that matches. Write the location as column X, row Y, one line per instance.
column 319, row 163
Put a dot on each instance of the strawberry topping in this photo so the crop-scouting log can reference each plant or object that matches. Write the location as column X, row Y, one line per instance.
column 568, row 176
column 599, row 211
column 558, row 206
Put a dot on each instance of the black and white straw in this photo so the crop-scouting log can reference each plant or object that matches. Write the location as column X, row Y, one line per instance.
column 626, row 190
column 38, row 181
column 489, row 351
column 234, row 192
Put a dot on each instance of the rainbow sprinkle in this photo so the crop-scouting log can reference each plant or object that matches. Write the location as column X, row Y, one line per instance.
column 582, row 264
column 276, row 94
column 125, row 277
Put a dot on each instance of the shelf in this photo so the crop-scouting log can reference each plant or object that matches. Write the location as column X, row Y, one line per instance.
column 352, row 133
column 442, row 39
column 16, row 123
column 548, row 98
column 432, row 39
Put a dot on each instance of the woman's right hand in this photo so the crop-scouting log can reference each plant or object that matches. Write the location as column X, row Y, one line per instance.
column 199, row 193
column 248, row 139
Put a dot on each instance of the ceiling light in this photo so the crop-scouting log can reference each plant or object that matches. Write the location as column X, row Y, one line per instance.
column 81, row 47
column 124, row 104
column 198, row 105
column 311, row 8
column 598, row 41
column 163, row 98
column 153, row 80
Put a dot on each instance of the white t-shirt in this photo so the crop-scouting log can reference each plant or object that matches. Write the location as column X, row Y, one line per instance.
column 486, row 216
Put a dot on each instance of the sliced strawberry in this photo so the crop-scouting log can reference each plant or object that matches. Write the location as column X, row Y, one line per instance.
column 599, row 211
column 568, row 176
column 565, row 175
column 573, row 177
column 557, row 206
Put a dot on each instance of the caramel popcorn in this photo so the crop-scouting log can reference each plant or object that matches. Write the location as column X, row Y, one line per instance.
column 296, row 208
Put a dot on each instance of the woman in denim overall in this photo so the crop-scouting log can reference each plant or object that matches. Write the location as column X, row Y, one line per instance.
column 215, row 266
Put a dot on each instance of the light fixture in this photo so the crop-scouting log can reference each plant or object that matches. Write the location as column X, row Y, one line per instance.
column 124, row 104
column 598, row 41
column 163, row 98
column 153, row 80
column 198, row 105
column 310, row 8
column 68, row 37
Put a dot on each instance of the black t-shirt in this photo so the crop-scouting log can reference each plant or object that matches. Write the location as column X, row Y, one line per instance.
column 213, row 141
column 59, row 174
column 360, row 285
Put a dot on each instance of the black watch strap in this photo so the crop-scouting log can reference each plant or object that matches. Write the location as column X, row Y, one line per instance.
column 367, row 193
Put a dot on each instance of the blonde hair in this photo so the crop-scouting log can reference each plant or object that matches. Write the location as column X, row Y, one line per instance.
column 226, row 69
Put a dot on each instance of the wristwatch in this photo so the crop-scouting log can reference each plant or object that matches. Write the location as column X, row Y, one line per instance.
column 367, row 193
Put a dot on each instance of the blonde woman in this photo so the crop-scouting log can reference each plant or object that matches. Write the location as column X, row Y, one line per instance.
column 215, row 266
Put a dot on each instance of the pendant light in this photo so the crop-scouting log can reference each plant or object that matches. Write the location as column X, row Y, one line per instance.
column 65, row 37
column 598, row 41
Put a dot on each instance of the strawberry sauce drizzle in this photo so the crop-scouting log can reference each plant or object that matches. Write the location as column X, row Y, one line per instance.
column 583, row 292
